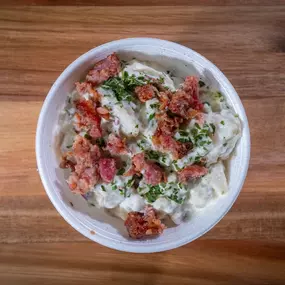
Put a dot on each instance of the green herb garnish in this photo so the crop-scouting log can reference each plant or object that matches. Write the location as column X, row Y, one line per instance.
column 174, row 197
column 153, row 193
column 201, row 83
column 154, row 105
column 151, row 154
column 151, row 116
column 103, row 188
column 121, row 171
column 161, row 79
column 123, row 86
column 213, row 128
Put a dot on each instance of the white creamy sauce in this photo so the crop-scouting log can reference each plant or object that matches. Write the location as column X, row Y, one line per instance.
column 140, row 69
column 134, row 120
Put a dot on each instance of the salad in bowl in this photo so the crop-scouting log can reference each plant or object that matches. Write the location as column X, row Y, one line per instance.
column 145, row 144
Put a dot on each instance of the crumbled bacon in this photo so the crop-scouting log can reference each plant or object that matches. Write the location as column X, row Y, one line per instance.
column 103, row 112
column 180, row 104
column 191, row 87
column 116, row 145
column 200, row 118
column 138, row 161
column 88, row 118
column 104, row 69
column 107, row 169
column 85, row 168
column 191, row 172
column 85, row 87
column 145, row 92
column 140, row 225
column 82, row 183
column 83, row 149
column 166, row 124
column 168, row 143
column 185, row 100
column 66, row 161
column 164, row 98
column 153, row 173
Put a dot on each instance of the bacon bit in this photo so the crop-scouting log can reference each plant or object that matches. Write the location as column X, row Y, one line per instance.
column 193, row 113
column 200, row 119
column 83, row 149
column 167, row 125
column 153, row 173
column 103, row 112
column 130, row 172
column 138, row 161
column 145, row 92
column 191, row 172
column 82, row 183
column 88, row 119
column 168, row 143
column 85, row 87
column 140, row 225
column 181, row 103
column 191, row 87
column 85, row 169
column 164, row 98
column 66, row 163
column 104, row 69
column 116, row 145
column 107, row 169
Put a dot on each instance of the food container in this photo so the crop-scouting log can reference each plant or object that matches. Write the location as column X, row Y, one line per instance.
column 96, row 224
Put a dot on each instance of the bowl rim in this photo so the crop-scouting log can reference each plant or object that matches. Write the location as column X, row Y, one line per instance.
column 66, row 215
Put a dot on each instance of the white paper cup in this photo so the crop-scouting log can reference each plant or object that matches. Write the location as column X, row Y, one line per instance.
column 110, row 231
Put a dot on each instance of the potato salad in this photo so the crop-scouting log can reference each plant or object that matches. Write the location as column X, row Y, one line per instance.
column 144, row 145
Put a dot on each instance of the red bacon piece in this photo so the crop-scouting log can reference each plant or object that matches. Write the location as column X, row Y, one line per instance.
column 153, row 173
column 191, row 87
column 116, row 145
column 140, row 225
column 181, row 104
column 166, row 124
column 168, row 143
column 85, row 167
column 103, row 112
column 138, row 161
column 88, row 118
column 164, row 98
column 107, row 169
column 85, row 87
column 145, row 92
column 104, row 69
column 191, row 172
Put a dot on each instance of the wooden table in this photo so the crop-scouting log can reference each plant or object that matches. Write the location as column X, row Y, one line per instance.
column 247, row 42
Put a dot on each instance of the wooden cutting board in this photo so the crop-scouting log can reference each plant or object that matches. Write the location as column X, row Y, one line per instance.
column 246, row 41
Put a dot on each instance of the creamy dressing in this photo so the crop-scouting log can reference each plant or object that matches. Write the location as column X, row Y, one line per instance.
column 140, row 69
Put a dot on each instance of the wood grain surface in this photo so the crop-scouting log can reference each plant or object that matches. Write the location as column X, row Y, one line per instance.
column 247, row 42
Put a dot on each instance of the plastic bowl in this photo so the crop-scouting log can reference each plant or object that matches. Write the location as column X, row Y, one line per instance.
column 96, row 224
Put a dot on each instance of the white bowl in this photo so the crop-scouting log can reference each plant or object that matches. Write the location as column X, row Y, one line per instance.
column 96, row 224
